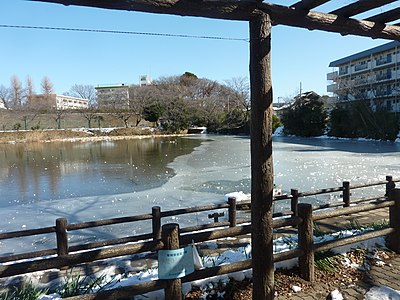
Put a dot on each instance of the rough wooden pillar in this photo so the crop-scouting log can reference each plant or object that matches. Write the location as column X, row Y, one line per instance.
column 390, row 185
column 62, row 236
column 294, row 202
column 261, row 157
column 306, row 242
column 156, row 222
column 232, row 211
column 346, row 193
column 394, row 219
column 170, row 238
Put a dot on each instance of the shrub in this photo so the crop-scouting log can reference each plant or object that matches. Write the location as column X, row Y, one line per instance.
column 356, row 119
column 306, row 117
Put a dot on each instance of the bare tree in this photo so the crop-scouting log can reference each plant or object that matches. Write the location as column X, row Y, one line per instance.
column 29, row 89
column 124, row 115
column 85, row 92
column 58, row 116
column 29, row 86
column 240, row 92
column 28, row 114
column 16, row 92
column 89, row 114
column 140, row 97
column 47, row 86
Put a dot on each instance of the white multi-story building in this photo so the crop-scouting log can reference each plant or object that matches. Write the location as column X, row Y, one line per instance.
column 145, row 80
column 372, row 75
column 59, row 102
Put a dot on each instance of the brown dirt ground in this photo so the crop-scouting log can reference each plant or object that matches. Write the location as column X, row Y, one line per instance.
column 341, row 276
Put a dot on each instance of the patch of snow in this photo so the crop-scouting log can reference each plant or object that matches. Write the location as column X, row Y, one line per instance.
column 50, row 297
column 296, row 289
column 336, row 295
column 278, row 131
column 240, row 196
column 382, row 293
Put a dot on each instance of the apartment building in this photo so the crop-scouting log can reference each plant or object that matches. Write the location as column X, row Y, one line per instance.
column 59, row 102
column 372, row 75
column 111, row 96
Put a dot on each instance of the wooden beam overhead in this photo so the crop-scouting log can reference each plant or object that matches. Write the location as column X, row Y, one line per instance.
column 218, row 9
column 329, row 22
column 386, row 17
column 246, row 10
column 360, row 7
column 308, row 4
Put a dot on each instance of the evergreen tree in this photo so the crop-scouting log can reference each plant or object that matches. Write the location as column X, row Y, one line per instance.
column 306, row 117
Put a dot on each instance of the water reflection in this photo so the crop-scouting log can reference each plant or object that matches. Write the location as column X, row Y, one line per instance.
column 42, row 171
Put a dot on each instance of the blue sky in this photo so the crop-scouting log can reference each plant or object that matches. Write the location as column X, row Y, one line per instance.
column 69, row 58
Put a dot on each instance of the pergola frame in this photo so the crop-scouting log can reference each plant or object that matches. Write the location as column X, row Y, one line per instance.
column 261, row 17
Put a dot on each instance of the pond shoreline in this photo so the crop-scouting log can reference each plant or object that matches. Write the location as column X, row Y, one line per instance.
column 80, row 135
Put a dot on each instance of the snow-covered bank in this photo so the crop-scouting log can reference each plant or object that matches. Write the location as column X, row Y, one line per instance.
column 280, row 132
column 283, row 244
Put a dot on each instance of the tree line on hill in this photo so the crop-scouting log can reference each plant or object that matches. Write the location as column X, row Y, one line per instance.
column 174, row 103
column 309, row 116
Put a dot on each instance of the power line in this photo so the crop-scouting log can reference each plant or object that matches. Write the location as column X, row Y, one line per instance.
column 187, row 36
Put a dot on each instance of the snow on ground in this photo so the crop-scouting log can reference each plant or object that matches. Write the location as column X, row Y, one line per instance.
column 279, row 132
column 382, row 293
column 242, row 253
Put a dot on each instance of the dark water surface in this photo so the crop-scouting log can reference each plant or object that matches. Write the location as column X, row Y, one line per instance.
column 34, row 172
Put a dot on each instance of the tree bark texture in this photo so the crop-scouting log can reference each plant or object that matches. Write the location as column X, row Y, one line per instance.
column 170, row 238
column 394, row 219
column 247, row 10
column 261, row 157
column 306, row 242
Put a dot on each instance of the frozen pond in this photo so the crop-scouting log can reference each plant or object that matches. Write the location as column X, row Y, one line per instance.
column 90, row 181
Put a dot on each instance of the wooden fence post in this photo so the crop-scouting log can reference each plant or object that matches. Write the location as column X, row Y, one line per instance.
column 294, row 202
column 62, row 236
column 156, row 222
column 390, row 185
column 232, row 211
column 170, row 238
column 306, row 242
column 394, row 219
column 346, row 193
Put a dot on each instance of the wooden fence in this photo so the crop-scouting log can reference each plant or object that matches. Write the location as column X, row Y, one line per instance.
column 170, row 236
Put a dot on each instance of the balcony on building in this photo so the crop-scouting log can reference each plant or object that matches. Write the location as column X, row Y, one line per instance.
column 383, row 61
column 382, row 77
column 344, row 71
column 360, row 67
column 332, row 75
column 332, row 88
column 360, row 81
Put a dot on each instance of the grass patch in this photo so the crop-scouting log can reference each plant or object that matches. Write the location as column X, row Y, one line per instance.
column 355, row 225
column 26, row 292
column 328, row 261
column 76, row 285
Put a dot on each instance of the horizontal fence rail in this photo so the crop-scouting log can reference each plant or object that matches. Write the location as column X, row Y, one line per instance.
column 301, row 216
